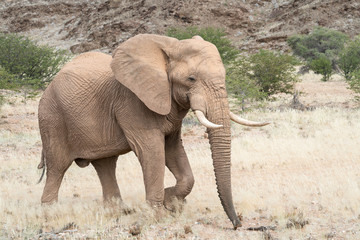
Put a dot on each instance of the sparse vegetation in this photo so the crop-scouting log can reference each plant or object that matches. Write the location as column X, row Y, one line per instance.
column 349, row 60
column 6, row 82
column 319, row 49
column 241, row 84
column 26, row 65
column 273, row 72
column 287, row 175
column 322, row 65
column 320, row 42
column 261, row 76
column 355, row 82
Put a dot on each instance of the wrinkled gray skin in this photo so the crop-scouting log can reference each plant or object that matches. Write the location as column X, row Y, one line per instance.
column 99, row 107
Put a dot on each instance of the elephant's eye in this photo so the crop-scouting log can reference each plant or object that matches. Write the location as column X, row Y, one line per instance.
column 191, row 79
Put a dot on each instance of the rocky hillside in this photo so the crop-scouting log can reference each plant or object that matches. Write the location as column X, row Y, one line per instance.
column 251, row 24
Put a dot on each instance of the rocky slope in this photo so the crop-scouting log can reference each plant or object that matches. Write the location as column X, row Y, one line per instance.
column 82, row 25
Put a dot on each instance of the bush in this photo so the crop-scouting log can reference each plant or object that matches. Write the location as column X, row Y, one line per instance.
column 355, row 82
column 320, row 42
column 7, row 80
column 273, row 72
column 216, row 36
column 240, row 84
column 322, row 65
column 349, row 60
column 31, row 65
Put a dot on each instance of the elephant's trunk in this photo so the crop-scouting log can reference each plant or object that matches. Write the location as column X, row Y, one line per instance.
column 220, row 142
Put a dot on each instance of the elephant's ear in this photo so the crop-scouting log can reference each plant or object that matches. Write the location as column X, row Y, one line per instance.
column 140, row 64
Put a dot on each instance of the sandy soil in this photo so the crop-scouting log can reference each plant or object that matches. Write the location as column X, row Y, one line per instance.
column 295, row 179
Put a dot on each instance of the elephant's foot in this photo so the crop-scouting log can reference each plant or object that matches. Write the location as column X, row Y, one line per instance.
column 117, row 203
column 48, row 201
column 160, row 213
column 127, row 210
column 172, row 202
column 158, row 210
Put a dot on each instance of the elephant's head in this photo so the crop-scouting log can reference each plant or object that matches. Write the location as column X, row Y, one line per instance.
column 163, row 71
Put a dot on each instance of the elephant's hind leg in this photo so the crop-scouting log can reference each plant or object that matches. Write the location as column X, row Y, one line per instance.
column 105, row 169
column 56, row 168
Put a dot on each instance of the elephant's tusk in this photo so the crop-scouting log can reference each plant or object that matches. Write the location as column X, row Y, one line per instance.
column 245, row 122
column 203, row 120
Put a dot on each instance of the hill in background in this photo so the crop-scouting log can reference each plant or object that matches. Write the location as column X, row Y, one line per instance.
column 251, row 24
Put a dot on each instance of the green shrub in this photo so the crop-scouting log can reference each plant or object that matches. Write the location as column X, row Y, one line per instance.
column 33, row 65
column 355, row 82
column 27, row 66
column 216, row 36
column 321, row 41
column 274, row 72
column 7, row 80
column 349, row 60
column 322, row 65
column 240, row 84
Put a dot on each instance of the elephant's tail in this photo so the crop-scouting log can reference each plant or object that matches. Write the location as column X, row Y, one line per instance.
column 42, row 165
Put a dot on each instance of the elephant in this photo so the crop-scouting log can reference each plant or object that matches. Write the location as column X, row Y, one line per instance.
column 99, row 107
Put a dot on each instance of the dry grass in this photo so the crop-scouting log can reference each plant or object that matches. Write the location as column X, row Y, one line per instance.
column 300, row 174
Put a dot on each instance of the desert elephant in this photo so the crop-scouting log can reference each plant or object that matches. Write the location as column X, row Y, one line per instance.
column 100, row 106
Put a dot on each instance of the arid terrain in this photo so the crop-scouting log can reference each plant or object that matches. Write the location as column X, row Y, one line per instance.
column 298, row 178
column 82, row 25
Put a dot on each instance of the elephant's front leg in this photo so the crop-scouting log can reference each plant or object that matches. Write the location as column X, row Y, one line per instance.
column 178, row 164
column 150, row 150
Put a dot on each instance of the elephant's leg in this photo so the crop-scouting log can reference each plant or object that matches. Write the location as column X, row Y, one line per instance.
column 150, row 151
column 56, row 165
column 178, row 164
column 153, row 167
column 105, row 169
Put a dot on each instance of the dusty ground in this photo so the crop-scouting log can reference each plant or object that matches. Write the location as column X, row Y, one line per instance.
column 298, row 178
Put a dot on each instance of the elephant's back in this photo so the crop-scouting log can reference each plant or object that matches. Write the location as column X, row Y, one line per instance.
column 78, row 85
column 86, row 66
column 80, row 79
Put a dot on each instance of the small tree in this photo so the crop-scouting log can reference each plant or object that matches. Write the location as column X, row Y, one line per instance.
column 321, row 41
column 240, row 84
column 322, row 65
column 319, row 48
column 349, row 60
column 273, row 72
column 355, row 82
column 32, row 66
column 7, row 80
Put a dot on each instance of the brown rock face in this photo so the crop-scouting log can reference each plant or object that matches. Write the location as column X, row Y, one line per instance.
column 103, row 24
